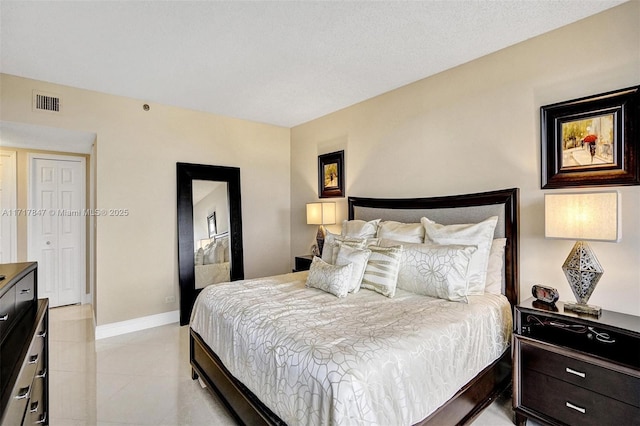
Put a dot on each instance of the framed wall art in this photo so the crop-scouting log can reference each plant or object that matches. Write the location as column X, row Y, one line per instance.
column 331, row 175
column 212, row 226
column 592, row 141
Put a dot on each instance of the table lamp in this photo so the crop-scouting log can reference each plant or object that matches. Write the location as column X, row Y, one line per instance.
column 321, row 214
column 592, row 216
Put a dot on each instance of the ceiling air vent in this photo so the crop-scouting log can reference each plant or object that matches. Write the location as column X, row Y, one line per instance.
column 46, row 102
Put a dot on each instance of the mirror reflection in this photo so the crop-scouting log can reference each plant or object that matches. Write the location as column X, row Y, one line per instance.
column 211, row 233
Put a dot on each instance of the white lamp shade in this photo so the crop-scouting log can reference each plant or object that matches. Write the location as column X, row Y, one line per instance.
column 321, row 213
column 590, row 216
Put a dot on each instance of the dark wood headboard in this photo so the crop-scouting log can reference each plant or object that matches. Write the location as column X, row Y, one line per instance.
column 465, row 208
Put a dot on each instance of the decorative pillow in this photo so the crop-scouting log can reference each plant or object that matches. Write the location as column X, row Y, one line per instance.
column 358, row 258
column 359, row 228
column 330, row 278
column 381, row 273
column 199, row 257
column 405, row 232
column 331, row 241
column 209, row 254
column 436, row 270
column 494, row 268
column 222, row 251
column 476, row 234
column 224, row 243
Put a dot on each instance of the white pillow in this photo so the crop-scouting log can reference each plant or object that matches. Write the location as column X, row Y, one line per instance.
column 358, row 258
column 436, row 270
column 381, row 273
column 224, row 243
column 494, row 268
column 331, row 241
column 199, row 257
column 359, row 228
column 209, row 254
column 330, row 278
column 476, row 234
column 405, row 232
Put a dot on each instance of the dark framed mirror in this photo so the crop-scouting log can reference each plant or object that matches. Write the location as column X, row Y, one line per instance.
column 204, row 183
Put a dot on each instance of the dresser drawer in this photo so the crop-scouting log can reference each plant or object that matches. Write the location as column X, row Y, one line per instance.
column 7, row 311
column 32, row 361
column 572, row 404
column 593, row 377
column 36, row 410
column 25, row 293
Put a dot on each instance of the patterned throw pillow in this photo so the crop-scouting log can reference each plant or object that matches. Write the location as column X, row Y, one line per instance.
column 436, row 270
column 330, row 278
column 358, row 258
column 473, row 234
column 330, row 249
column 381, row 273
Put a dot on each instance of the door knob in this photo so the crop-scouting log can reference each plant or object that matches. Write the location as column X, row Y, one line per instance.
column 48, row 243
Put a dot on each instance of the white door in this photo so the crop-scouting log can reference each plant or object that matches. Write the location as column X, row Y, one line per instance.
column 57, row 226
column 8, row 204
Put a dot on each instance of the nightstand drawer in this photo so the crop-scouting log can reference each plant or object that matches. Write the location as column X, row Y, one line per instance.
column 590, row 376
column 572, row 404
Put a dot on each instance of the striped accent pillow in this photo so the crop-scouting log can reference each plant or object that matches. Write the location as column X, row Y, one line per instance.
column 381, row 273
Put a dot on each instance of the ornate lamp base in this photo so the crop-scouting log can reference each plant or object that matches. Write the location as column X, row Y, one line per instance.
column 583, row 271
column 320, row 239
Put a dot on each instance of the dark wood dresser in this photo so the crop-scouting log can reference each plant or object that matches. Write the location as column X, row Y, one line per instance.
column 575, row 369
column 24, row 348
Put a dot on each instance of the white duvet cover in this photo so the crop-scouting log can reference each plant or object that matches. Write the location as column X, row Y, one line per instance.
column 212, row 273
column 315, row 359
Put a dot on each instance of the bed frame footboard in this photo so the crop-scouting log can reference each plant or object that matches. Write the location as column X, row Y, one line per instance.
column 240, row 401
column 247, row 409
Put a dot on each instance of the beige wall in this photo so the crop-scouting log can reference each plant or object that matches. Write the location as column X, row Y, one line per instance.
column 473, row 128
column 135, row 165
column 476, row 128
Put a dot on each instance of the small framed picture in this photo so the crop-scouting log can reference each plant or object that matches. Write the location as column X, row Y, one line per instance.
column 331, row 175
column 592, row 141
column 211, row 225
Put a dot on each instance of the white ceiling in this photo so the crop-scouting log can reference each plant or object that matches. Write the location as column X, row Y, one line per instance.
column 283, row 63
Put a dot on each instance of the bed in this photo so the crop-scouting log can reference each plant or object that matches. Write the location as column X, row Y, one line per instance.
column 342, row 370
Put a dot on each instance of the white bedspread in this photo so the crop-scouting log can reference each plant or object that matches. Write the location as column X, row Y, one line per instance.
column 212, row 273
column 315, row 359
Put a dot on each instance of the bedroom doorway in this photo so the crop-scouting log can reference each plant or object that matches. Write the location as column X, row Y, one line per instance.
column 57, row 226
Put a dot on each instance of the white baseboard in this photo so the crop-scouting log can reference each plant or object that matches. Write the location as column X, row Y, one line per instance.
column 137, row 324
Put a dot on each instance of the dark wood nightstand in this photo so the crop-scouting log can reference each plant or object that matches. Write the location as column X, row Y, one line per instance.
column 575, row 369
column 303, row 263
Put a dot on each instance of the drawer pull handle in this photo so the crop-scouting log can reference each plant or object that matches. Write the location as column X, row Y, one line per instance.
column 43, row 419
column 42, row 375
column 42, row 334
column 577, row 373
column 575, row 407
column 4, row 317
column 34, row 407
column 33, row 359
column 23, row 393
column 25, row 291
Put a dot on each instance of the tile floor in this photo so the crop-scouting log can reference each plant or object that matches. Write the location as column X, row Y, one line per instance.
column 141, row 378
